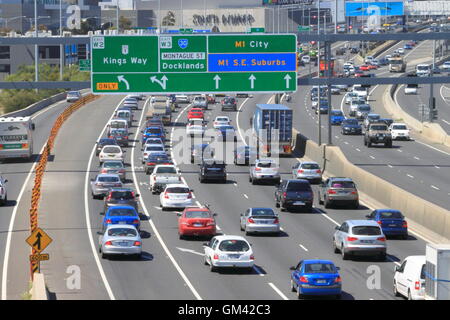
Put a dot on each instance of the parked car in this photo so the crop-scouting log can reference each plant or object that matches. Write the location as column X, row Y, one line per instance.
column 120, row 240
column 264, row 170
column 308, row 170
column 228, row 251
column 259, row 220
column 194, row 221
column 360, row 237
column 337, row 190
column 175, row 196
column 121, row 215
column 294, row 193
column 392, row 222
column 316, row 278
column 409, row 278
column 212, row 170
column 102, row 183
column 121, row 197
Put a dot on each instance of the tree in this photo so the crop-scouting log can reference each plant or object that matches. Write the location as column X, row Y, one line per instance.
column 169, row 19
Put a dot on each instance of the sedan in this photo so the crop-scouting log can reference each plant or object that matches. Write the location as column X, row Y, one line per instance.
column 120, row 135
column 121, row 197
column 151, row 149
column 259, row 220
column 446, row 66
column 337, row 116
column 114, row 167
column 196, row 222
column 175, row 196
column 228, row 251
column 195, row 130
column 111, row 152
column 307, row 170
column 103, row 142
column 121, row 215
column 156, row 159
column 120, row 240
column 102, row 183
column 264, row 170
column 195, row 113
column 316, row 278
column 221, row 121
column 392, row 222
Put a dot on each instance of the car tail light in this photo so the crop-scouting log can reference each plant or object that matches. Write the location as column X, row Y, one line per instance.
column 117, row 185
column 354, row 192
column 379, row 222
column 351, row 239
column 284, row 194
column 303, row 279
column 104, row 170
column 135, row 221
column 210, row 223
column 252, row 257
column 216, row 257
column 166, row 195
column 338, row 279
column 405, row 224
column 276, row 220
column 151, row 163
column 145, row 154
column 109, row 197
column 122, row 170
column 300, row 171
column 250, row 220
column 257, row 169
column 154, row 178
column 417, row 285
column 108, row 221
column 98, row 184
column 331, row 192
column 318, row 171
column 126, row 137
column 137, row 243
column 381, row 239
column 189, row 195
column 108, row 243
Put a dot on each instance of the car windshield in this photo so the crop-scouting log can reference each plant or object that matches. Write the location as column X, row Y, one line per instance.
column 373, row 117
column 379, row 127
column 310, row 166
column 198, row 214
column 222, row 119
column 351, row 121
column 319, row 268
column 112, row 164
column 108, row 179
column 177, row 190
column 121, row 212
column 337, row 113
column 153, row 141
column 267, row 165
column 111, row 150
column 158, row 157
column 366, row 230
column 122, row 232
column 123, row 195
column 118, row 133
column 154, row 148
column 298, row 186
column 166, row 170
column 391, row 215
column 422, row 68
column 73, row 93
column 234, row 245
column 262, row 212
column 364, row 108
column 342, row 184
column 399, row 127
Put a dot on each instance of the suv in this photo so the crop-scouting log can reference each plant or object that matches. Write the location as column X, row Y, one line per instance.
column 294, row 193
column 212, row 170
column 229, row 103
column 263, row 170
column 378, row 133
column 200, row 102
column 121, row 197
column 338, row 190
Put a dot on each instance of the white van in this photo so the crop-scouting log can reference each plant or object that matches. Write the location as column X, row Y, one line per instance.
column 117, row 123
column 409, row 278
column 125, row 114
column 423, row 70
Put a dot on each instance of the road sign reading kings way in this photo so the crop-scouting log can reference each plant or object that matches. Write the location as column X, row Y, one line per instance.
column 186, row 63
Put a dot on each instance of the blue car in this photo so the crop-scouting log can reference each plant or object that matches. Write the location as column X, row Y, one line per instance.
column 350, row 126
column 392, row 222
column 121, row 215
column 323, row 108
column 316, row 278
column 153, row 132
column 407, row 46
column 337, row 116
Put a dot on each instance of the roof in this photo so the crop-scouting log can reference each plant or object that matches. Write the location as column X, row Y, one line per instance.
column 341, row 178
column 272, row 107
column 362, row 223
column 177, row 185
column 386, row 210
column 231, row 237
column 309, row 261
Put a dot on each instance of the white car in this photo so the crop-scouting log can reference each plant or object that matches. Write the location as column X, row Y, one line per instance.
column 182, row 98
column 151, row 148
column 195, row 130
column 399, row 131
column 411, row 88
column 409, row 278
column 446, row 65
column 3, row 193
column 221, row 121
column 111, row 152
column 176, row 196
column 200, row 102
column 400, row 51
column 153, row 141
column 368, row 59
column 360, row 91
column 228, row 251
column 306, row 59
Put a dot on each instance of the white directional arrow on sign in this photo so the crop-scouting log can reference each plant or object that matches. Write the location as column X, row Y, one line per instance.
column 162, row 83
column 217, row 79
column 252, row 79
column 122, row 79
column 287, row 78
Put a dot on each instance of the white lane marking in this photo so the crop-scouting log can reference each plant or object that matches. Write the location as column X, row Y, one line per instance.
column 258, row 271
column 390, row 166
column 436, row 188
column 198, row 203
column 218, row 228
column 235, row 184
column 245, row 196
column 437, row 167
column 372, row 157
column 358, row 150
column 436, row 149
column 345, row 142
column 412, row 177
column 303, row 247
column 150, row 221
column 190, row 251
column 399, row 150
column 237, row 121
column 392, row 260
column 417, row 158
column 445, row 121
column 333, row 221
column 278, row 291
column 87, row 212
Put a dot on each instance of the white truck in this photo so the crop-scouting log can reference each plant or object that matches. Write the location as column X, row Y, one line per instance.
column 437, row 272
column 163, row 175
column 16, row 137
column 423, row 70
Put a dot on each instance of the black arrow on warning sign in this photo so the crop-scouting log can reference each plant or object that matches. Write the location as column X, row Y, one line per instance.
column 38, row 241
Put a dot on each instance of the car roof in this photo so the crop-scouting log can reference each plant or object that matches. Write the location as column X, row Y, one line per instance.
column 108, row 175
column 197, row 209
column 354, row 223
column 386, row 210
column 341, row 179
column 121, row 189
column 111, row 145
column 261, row 208
column 116, row 226
column 310, row 261
column 177, row 185
column 122, row 207
column 230, row 237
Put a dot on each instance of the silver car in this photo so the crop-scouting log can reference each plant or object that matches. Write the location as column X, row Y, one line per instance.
column 308, row 170
column 259, row 220
column 338, row 190
column 115, row 167
column 151, row 149
column 102, row 183
column 264, row 170
column 360, row 237
column 73, row 96
column 120, row 240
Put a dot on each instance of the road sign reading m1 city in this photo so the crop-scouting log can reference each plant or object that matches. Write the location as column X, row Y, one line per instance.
column 185, row 63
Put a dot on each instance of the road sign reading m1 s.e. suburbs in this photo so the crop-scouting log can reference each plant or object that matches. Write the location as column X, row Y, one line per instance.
column 194, row 63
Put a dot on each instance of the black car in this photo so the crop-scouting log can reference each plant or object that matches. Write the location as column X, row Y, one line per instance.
column 121, row 197
column 350, row 126
column 294, row 193
column 229, row 103
column 212, row 170
column 245, row 155
column 156, row 159
column 104, row 142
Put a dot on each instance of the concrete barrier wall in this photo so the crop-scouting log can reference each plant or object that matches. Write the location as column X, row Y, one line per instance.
column 38, row 289
column 416, row 209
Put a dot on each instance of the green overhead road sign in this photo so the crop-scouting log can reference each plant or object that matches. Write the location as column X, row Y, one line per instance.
column 194, row 63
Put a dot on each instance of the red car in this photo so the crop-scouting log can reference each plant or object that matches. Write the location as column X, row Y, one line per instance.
column 196, row 222
column 372, row 67
column 364, row 67
column 211, row 98
column 358, row 74
column 195, row 113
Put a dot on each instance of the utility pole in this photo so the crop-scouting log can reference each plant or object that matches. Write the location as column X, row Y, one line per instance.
column 36, row 66
column 61, row 51
column 117, row 16
column 431, row 102
column 329, row 74
column 335, row 16
column 318, row 73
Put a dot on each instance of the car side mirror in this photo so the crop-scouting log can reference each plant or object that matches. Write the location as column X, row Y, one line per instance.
column 179, row 214
column 396, row 268
column 6, row 180
column 99, row 233
column 292, row 268
column 33, row 126
column 336, row 228
column 206, row 244
column 138, row 195
column 192, row 190
column 215, row 214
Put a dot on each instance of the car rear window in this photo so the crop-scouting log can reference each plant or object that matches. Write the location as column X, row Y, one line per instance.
column 154, row 148
column 363, row 108
column 298, row 186
column 379, row 127
column 391, row 215
column 234, row 245
column 115, row 164
column 262, row 212
column 398, row 127
column 177, row 190
column 197, row 214
column 319, row 268
column 351, row 121
column 310, row 166
column 122, row 212
column 366, row 230
column 222, row 119
column 111, row 150
column 122, row 195
column 154, row 130
column 122, row 232
column 373, row 117
column 342, row 184
column 266, row 165
column 166, row 170
column 108, row 179
column 107, row 141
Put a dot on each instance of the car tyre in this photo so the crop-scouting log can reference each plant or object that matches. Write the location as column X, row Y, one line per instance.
column 344, row 254
column 356, row 205
column 292, row 286
column 104, row 256
column 382, row 256
column 277, row 204
column 338, row 297
column 299, row 295
column 335, row 248
column 394, row 290
column 327, row 204
column 405, row 237
column 211, row 267
column 409, row 295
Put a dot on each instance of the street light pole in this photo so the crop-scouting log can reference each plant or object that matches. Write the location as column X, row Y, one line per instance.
column 117, row 16
column 36, row 67
column 61, row 51
column 318, row 73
